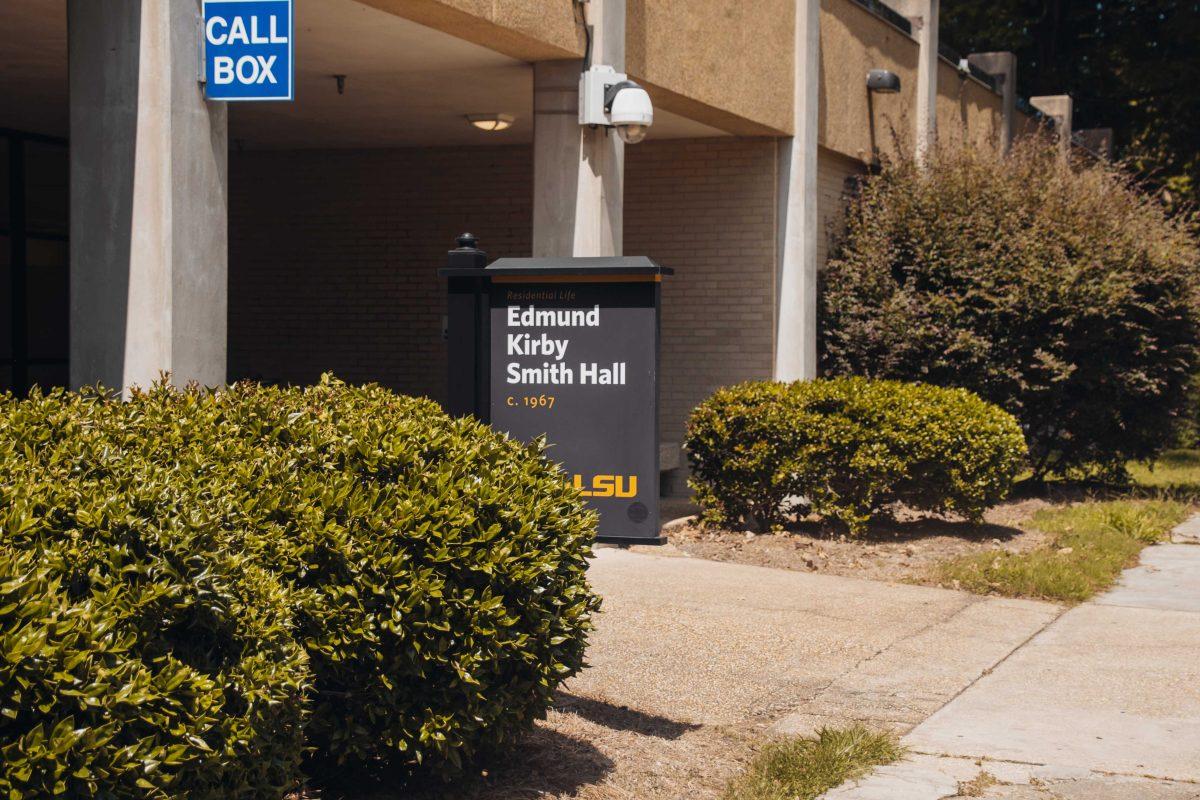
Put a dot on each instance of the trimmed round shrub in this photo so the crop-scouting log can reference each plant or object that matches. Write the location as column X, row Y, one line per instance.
column 438, row 566
column 848, row 449
column 434, row 569
column 1060, row 292
column 139, row 657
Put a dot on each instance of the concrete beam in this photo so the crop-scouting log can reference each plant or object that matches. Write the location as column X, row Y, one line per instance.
column 527, row 30
column 148, row 198
column 578, row 173
column 690, row 75
column 796, row 313
column 1003, row 67
column 923, row 16
column 1061, row 109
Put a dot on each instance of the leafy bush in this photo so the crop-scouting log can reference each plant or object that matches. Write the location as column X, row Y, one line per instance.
column 138, row 657
column 1060, row 293
column 439, row 567
column 434, row 569
column 849, row 448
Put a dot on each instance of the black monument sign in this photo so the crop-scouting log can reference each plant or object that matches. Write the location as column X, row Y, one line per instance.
column 568, row 349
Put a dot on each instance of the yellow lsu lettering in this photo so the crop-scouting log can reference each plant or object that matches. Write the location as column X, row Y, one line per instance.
column 608, row 486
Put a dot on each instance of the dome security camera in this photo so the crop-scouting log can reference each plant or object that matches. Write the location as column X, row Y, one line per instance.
column 629, row 110
column 608, row 98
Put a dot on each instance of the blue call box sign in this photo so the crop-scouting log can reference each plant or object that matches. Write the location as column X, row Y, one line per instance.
column 248, row 49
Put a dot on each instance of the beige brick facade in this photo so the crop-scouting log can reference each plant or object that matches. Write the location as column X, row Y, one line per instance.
column 334, row 256
column 835, row 174
column 707, row 208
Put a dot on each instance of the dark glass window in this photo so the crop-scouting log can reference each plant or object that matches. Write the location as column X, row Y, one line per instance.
column 4, row 190
column 34, row 261
column 46, row 298
column 46, row 184
column 47, row 376
column 6, row 352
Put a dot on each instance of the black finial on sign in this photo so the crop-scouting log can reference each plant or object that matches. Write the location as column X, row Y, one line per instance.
column 466, row 254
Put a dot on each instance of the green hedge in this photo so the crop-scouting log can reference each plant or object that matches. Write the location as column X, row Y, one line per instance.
column 139, row 657
column 439, row 567
column 849, row 448
column 434, row 570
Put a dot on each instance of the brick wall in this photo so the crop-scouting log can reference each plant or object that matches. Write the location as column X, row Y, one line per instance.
column 333, row 258
column 707, row 208
column 833, row 170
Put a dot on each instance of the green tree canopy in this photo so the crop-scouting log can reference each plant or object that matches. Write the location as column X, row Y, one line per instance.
column 1132, row 65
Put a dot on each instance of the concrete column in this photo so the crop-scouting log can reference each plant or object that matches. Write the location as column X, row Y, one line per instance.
column 923, row 16
column 1061, row 109
column 148, row 197
column 1002, row 66
column 796, row 316
column 578, row 173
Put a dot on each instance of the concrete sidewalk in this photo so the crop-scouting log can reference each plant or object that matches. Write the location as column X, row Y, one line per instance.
column 695, row 662
column 1104, row 704
column 713, row 643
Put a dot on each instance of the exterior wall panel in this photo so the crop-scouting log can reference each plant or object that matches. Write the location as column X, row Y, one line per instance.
column 531, row 30
column 725, row 64
column 853, row 42
column 968, row 112
column 731, row 65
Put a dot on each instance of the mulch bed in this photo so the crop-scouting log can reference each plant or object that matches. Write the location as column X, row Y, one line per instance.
column 904, row 550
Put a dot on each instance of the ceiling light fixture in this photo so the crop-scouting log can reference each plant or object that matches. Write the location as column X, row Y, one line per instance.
column 491, row 122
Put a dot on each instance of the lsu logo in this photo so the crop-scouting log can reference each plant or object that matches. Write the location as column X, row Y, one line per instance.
column 607, row 486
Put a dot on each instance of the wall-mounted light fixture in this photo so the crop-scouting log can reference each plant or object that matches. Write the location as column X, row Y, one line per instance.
column 491, row 122
column 883, row 81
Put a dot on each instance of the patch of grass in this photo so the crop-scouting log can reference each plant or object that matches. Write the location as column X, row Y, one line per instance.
column 1147, row 521
column 804, row 768
column 1175, row 471
column 1092, row 542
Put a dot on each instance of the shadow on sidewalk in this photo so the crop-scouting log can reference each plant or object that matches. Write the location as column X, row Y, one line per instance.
column 545, row 763
column 623, row 718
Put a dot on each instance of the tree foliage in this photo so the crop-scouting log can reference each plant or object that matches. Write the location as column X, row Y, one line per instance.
column 1131, row 65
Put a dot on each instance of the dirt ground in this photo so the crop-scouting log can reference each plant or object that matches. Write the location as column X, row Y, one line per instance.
column 903, row 551
column 590, row 750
